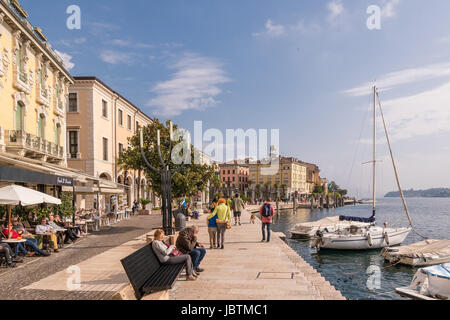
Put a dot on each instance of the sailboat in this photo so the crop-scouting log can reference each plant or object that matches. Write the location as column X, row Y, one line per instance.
column 370, row 236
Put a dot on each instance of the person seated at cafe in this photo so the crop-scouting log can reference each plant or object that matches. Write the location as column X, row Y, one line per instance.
column 60, row 234
column 5, row 250
column 69, row 234
column 169, row 255
column 45, row 229
column 18, row 231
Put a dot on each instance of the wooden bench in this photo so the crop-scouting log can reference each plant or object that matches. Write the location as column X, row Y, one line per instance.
column 147, row 274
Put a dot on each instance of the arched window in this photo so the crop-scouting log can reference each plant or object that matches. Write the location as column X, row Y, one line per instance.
column 105, row 176
column 19, row 116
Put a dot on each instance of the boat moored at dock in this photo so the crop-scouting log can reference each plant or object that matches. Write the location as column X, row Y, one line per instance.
column 429, row 283
column 308, row 230
column 421, row 254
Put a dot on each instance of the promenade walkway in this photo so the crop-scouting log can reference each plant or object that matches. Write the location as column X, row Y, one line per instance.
column 248, row 269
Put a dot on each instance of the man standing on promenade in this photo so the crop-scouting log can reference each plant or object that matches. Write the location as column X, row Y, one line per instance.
column 187, row 244
column 267, row 213
column 238, row 207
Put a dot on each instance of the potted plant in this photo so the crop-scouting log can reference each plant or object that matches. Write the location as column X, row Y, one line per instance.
column 147, row 209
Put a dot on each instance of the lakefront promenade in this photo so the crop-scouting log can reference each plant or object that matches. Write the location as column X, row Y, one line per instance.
column 248, row 269
column 245, row 270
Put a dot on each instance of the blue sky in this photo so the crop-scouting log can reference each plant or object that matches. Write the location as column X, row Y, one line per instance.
column 304, row 67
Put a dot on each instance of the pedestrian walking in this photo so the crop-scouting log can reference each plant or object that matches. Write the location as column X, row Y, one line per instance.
column 212, row 231
column 267, row 213
column 223, row 219
column 238, row 206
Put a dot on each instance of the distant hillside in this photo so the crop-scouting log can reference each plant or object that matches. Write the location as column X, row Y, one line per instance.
column 430, row 193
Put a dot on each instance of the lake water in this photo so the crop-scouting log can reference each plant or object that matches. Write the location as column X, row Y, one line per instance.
column 347, row 271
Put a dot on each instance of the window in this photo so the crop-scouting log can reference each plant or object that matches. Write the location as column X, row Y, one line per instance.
column 58, row 135
column 120, row 149
column 104, row 109
column 105, row 149
column 73, row 102
column 41, row 126
column 121, row 117
column 73, row 144
column 19, row 117
column 129, row 122
column 137, row 126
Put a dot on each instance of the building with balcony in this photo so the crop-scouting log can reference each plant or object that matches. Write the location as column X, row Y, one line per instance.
column 33, row 97
column 99, row 123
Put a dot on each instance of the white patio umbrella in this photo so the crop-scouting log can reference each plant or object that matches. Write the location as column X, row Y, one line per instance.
column 14, row 195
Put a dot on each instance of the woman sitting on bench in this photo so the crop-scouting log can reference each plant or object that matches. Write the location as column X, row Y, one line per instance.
column 170, row 255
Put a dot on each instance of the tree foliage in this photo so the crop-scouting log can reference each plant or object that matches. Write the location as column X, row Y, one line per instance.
column 186, row 182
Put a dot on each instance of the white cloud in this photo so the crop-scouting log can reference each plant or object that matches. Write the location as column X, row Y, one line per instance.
column 335, row 8
column 67, row 59
column 444, row 39
column 194, row 86
column 116, row 57
column 422, row 114
column 389, row 8
column 393, row 79
column 71, row 42
column 120, row 42
column 272, row 30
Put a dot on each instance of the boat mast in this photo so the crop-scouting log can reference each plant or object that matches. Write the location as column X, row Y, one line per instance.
column 374, row 148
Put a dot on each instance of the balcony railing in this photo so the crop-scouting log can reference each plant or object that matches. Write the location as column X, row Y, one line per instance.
column 31, row 145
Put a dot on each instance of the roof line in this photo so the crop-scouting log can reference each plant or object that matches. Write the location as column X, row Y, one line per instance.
column 94, row 78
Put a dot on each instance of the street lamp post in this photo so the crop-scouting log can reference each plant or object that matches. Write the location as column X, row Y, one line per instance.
column 166, row 180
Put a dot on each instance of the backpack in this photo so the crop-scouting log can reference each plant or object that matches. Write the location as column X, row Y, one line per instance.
column 267, row 212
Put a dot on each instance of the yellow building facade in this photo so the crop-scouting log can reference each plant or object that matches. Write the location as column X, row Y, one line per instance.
column 291, row 174
column 33, row 90
column 34, row 87
column 99, row 123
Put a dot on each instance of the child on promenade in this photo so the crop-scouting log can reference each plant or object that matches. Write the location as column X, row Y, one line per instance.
column 212, row 230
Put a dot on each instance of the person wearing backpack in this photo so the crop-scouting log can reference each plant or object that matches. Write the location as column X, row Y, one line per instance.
column 267, row 213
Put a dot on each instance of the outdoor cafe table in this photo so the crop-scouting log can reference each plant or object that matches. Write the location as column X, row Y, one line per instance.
column 13, row 242
column 83, row 223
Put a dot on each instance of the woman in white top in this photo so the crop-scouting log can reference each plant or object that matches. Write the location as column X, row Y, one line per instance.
column 163, row 253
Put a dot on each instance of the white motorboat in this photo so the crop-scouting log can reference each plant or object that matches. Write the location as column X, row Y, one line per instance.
column 433, row 282
column 308, row 230
column 372, row 236
column 421, row 254
column 362, row 238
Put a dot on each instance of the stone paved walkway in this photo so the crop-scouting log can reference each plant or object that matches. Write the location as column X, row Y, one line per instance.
column 248, row 269
column 46, row 278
